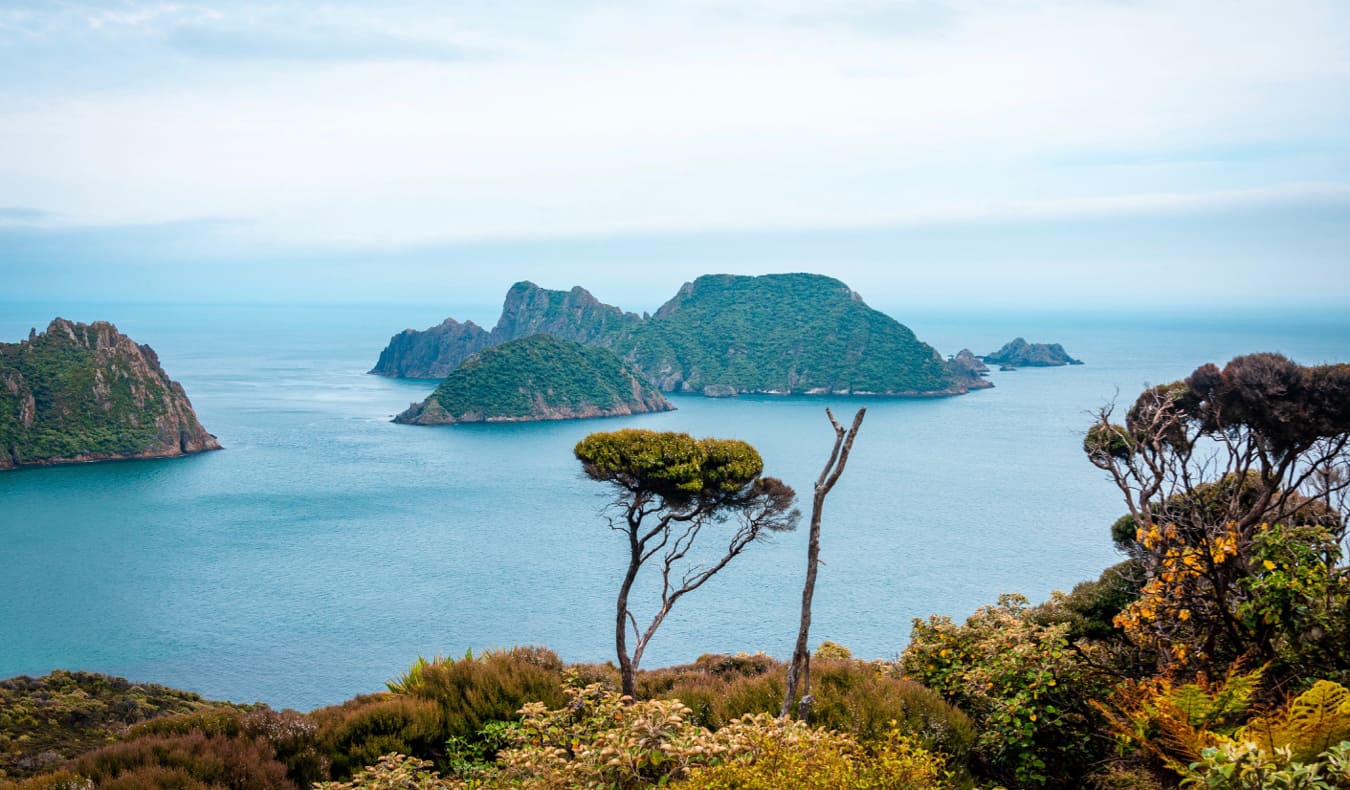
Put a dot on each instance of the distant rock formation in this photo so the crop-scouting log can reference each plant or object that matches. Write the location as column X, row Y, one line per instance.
column 970, row 370
column 528, row 310
column 86, row 392
column 537, row 378
column 721, row 335
column 1020, row 354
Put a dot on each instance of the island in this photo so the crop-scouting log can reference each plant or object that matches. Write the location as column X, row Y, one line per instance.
column 540, row 377
column 85, row 392
column 1018, row 353
column 720, row 335
column 528, row 310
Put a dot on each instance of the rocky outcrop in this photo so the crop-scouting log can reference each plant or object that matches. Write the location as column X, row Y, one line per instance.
column 721, row 335
column 528, row 310
column 1020, row 354
column 86, row 392
column 540, row 377
column 431, row 353
column 969, row 370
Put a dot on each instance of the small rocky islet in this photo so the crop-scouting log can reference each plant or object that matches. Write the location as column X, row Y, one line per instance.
column 1018, row 353
column 85, row 392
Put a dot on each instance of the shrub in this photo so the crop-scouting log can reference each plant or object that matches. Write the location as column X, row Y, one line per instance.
column 184, row 761
column 1026, row 687
column 392, row 772
column 360, row 731
column 774, row 754
column 1246, row 766
column 492, row 687
column 862, row 699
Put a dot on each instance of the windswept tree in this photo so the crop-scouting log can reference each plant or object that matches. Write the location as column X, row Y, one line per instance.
column 668, row 488
column 1235, row 480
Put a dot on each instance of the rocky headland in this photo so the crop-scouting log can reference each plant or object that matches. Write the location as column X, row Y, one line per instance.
column 540, row 377
column 1018, row 353
column 86, row 392
column 528, row 310
column 720, row 335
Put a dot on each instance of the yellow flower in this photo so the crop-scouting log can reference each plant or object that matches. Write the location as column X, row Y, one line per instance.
column 1270, row 566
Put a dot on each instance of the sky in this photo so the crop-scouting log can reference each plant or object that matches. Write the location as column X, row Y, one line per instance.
column 961, row 153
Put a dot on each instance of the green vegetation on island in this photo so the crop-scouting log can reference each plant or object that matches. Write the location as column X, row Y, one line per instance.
column 720, row 335
column 538, row 378
column 782, row 333
column 85, row 392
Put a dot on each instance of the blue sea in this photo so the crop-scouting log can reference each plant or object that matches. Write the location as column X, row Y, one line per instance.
column 326, row 548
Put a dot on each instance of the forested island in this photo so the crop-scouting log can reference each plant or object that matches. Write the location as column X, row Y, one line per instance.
column 1215, row 654
column 540, row 377
column 86, row 392
column 720, row 335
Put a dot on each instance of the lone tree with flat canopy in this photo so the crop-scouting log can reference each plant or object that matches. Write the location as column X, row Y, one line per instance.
column 668, row 488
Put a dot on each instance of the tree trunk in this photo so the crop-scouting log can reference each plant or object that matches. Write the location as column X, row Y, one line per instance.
column 799, row 672
column 627, row 667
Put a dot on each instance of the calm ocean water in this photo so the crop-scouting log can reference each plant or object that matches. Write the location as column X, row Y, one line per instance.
column 326, row 548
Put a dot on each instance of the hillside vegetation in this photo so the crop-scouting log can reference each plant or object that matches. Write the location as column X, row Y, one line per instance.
column 781, row 333
column 85, row 392
column 537, row 378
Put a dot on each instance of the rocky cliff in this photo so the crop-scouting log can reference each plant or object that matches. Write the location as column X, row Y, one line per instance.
column 528, row 310
column 537, row 378
column 720, row 335
column 1019, row 353
column 86, row 392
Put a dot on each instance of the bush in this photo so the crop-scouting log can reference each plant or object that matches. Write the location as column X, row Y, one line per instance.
column 360, row 731
column 1025, row 686
column 492, row 687
column 776, row 754
column 184, row 761
column 861, row 699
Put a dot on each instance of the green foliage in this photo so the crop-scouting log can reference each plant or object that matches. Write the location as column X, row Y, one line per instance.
column 1311, row 723
column 830, row 651
column 672, row 465
column 474, row 692
column 1173, row 722
column 1021, row 681
column 786, row 333
column 541, row 373
column 861, row 699
column 778, row 755
column 84, row 402
column 393, row 772
column 1243, row 765
column 48, row 719
column 358, row 732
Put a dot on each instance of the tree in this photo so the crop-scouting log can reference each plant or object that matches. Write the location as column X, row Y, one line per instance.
column 1236, row 483
column 668, row 488
column 800, row 669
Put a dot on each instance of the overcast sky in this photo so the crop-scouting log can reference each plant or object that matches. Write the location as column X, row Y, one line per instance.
column 932, row 151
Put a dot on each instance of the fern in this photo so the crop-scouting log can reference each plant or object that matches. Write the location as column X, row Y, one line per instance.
column 1310, row 725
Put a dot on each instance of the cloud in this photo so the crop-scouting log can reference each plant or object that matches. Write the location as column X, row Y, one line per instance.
column 362, row 124
column 316, row 44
